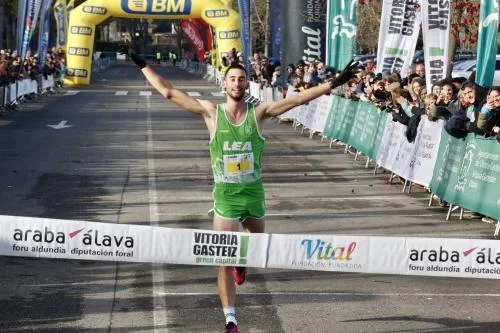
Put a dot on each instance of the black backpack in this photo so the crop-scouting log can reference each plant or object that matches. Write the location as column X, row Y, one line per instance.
column 456, row 126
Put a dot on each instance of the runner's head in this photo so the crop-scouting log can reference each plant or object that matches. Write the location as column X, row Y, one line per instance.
column 235, row 82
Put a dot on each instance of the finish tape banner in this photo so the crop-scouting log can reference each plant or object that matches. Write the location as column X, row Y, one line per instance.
column 66, row 239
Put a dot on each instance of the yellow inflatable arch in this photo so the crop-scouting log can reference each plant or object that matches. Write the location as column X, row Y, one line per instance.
column 88, row 15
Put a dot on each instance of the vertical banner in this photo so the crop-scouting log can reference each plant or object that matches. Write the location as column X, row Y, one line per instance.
column 43, row 34
column 61, row 16
column 276, row 23
column 31, row 17
column 206, row 33
column 304, row 31
column 436, row 31
column 487, row 43
column 341, row 27
column 21, row 21
column 244, row 8
column 190, row 30
column 70, row 7
column 399, row 28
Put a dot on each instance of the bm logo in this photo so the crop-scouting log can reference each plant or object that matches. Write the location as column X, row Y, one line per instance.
column 157, row 7
column 217, row 13
column 230, row 34
column 79, row 30
column 94, row 10
column 79, row 51
column 76, row 72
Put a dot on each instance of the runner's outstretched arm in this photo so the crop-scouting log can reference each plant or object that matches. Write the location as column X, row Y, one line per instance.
column 168, row 91
column 273, row 109
column 175, row 95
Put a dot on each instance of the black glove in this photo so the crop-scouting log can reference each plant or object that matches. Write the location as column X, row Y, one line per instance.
column 141, row 63
column 347, row 73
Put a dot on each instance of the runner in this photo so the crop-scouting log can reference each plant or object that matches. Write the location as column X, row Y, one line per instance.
column 236, row 147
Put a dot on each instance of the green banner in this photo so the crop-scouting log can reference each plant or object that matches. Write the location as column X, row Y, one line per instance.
column 487, row 43
column 359, row 124
column 368, row 129
column 467, row 173
column 342, row 21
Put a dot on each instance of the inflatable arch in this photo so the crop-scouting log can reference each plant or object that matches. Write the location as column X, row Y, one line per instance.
column 88, row 15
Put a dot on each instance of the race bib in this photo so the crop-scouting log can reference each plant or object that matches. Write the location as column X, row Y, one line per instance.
column 238, row 164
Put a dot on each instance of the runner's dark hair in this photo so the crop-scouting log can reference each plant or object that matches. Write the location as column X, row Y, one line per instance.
column 235, row 66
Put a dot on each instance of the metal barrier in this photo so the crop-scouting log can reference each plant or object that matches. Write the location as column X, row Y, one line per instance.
column 26, row 89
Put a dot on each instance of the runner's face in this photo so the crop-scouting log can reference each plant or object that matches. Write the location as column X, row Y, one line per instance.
column 236, row 84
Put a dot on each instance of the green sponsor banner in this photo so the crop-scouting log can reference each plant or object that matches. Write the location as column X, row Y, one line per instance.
column 359, row 124
column 344, row 121
column 332, row 116
column 467, row 173
column 368, row 129
column 487, row 43
column 342, row 21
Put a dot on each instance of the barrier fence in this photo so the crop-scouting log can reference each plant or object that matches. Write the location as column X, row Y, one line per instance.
column 66, row 239
column 13, row 92
column 463, row 172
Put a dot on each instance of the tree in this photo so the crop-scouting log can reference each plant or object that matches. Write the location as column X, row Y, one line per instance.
column 368, row 24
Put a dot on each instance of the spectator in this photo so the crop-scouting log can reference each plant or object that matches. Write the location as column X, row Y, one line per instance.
column 420, row 70
column 488, row 123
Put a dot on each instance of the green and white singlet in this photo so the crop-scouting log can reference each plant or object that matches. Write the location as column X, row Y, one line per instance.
column 236, row 155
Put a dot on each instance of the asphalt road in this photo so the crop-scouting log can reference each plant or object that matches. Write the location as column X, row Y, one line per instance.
column 131, row 157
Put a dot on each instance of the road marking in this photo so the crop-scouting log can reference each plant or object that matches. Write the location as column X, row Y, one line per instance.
column 218, row 94
column 145, row 93
column 71, row 92
column 159, row 302
column 193, row 93
column 121, row 93
column 286, row 293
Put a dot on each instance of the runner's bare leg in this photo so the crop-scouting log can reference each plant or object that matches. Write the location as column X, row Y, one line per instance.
column 225, row 283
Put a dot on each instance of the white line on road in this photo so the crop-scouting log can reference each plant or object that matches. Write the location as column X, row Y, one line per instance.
column 286, row 293
column 159, row 302
column 71, row 92
column 193, row 93
column 218, row 94
column 121, row 93
column 145, row 93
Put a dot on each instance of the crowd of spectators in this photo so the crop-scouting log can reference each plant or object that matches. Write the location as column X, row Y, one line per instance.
column 465, row 106
column 13, row 68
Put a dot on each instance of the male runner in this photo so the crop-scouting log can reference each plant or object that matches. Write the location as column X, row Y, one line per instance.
column 236, row 147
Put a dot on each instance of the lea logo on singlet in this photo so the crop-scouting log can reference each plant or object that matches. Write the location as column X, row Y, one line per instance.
column 237, row 146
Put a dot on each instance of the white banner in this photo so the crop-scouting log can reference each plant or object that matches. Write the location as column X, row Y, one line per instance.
column 424, row 156
column 413, row 161
column 436, row 32
column 65, row 239
column 399, row 28
column 308, row 113
column 48, row 238
column 322, row 110
column 292, row 113
column 392, row 139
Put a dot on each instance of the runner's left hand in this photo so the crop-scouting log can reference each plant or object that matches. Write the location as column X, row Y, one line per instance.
column 347, row 73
